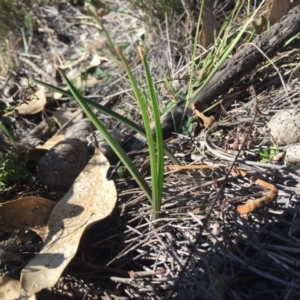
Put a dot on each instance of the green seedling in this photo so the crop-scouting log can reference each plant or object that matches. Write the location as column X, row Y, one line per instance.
column 155, row 141
column 267, row 155
column 121, row 171
column 187, row 126
column 109, row 112
column 11, row 169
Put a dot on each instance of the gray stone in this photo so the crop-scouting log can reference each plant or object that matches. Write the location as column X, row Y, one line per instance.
column 80, row 130
column 292, row 154
column 61, row 165
column 285, row 126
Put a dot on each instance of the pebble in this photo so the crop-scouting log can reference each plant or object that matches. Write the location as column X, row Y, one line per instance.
column 62, row 164
column 285, row 126
column 292, row 154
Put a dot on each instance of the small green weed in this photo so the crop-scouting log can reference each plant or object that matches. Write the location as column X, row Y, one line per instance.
column 100, row 74
column 187, row 126
column 266, row 155
column 11, row 169
column 155, row 142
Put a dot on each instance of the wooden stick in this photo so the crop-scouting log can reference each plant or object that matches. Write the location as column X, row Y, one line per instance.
column 253, row 205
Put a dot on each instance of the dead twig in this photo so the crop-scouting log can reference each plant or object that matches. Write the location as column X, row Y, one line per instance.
column 253, row 205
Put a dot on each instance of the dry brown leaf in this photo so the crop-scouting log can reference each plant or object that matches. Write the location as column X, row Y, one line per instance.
column 208, row 121
column 96, row 61
column 53, row 141
column 27, row 212
column 90, row 199
column 92, row 81
column 10, row 289
column 102, row 12
column 62, row 117
column 35, row 104
column 260, row 24
column 42, row 129
column 280, row 8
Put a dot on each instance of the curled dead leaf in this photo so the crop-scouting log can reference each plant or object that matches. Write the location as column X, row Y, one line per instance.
column 208, row 121
column 27, row 212
column 52, row 142
column 10, row 289
column 91, row 198
column 35, row 104
column 62, row 117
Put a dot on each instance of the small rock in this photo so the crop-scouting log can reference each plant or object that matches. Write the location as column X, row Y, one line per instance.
column 61, row 165
column 285, row 126
column 80, row 130
column 293, row 154
column 49, row 68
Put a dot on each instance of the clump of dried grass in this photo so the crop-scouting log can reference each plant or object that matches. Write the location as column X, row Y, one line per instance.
column 17, row 23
